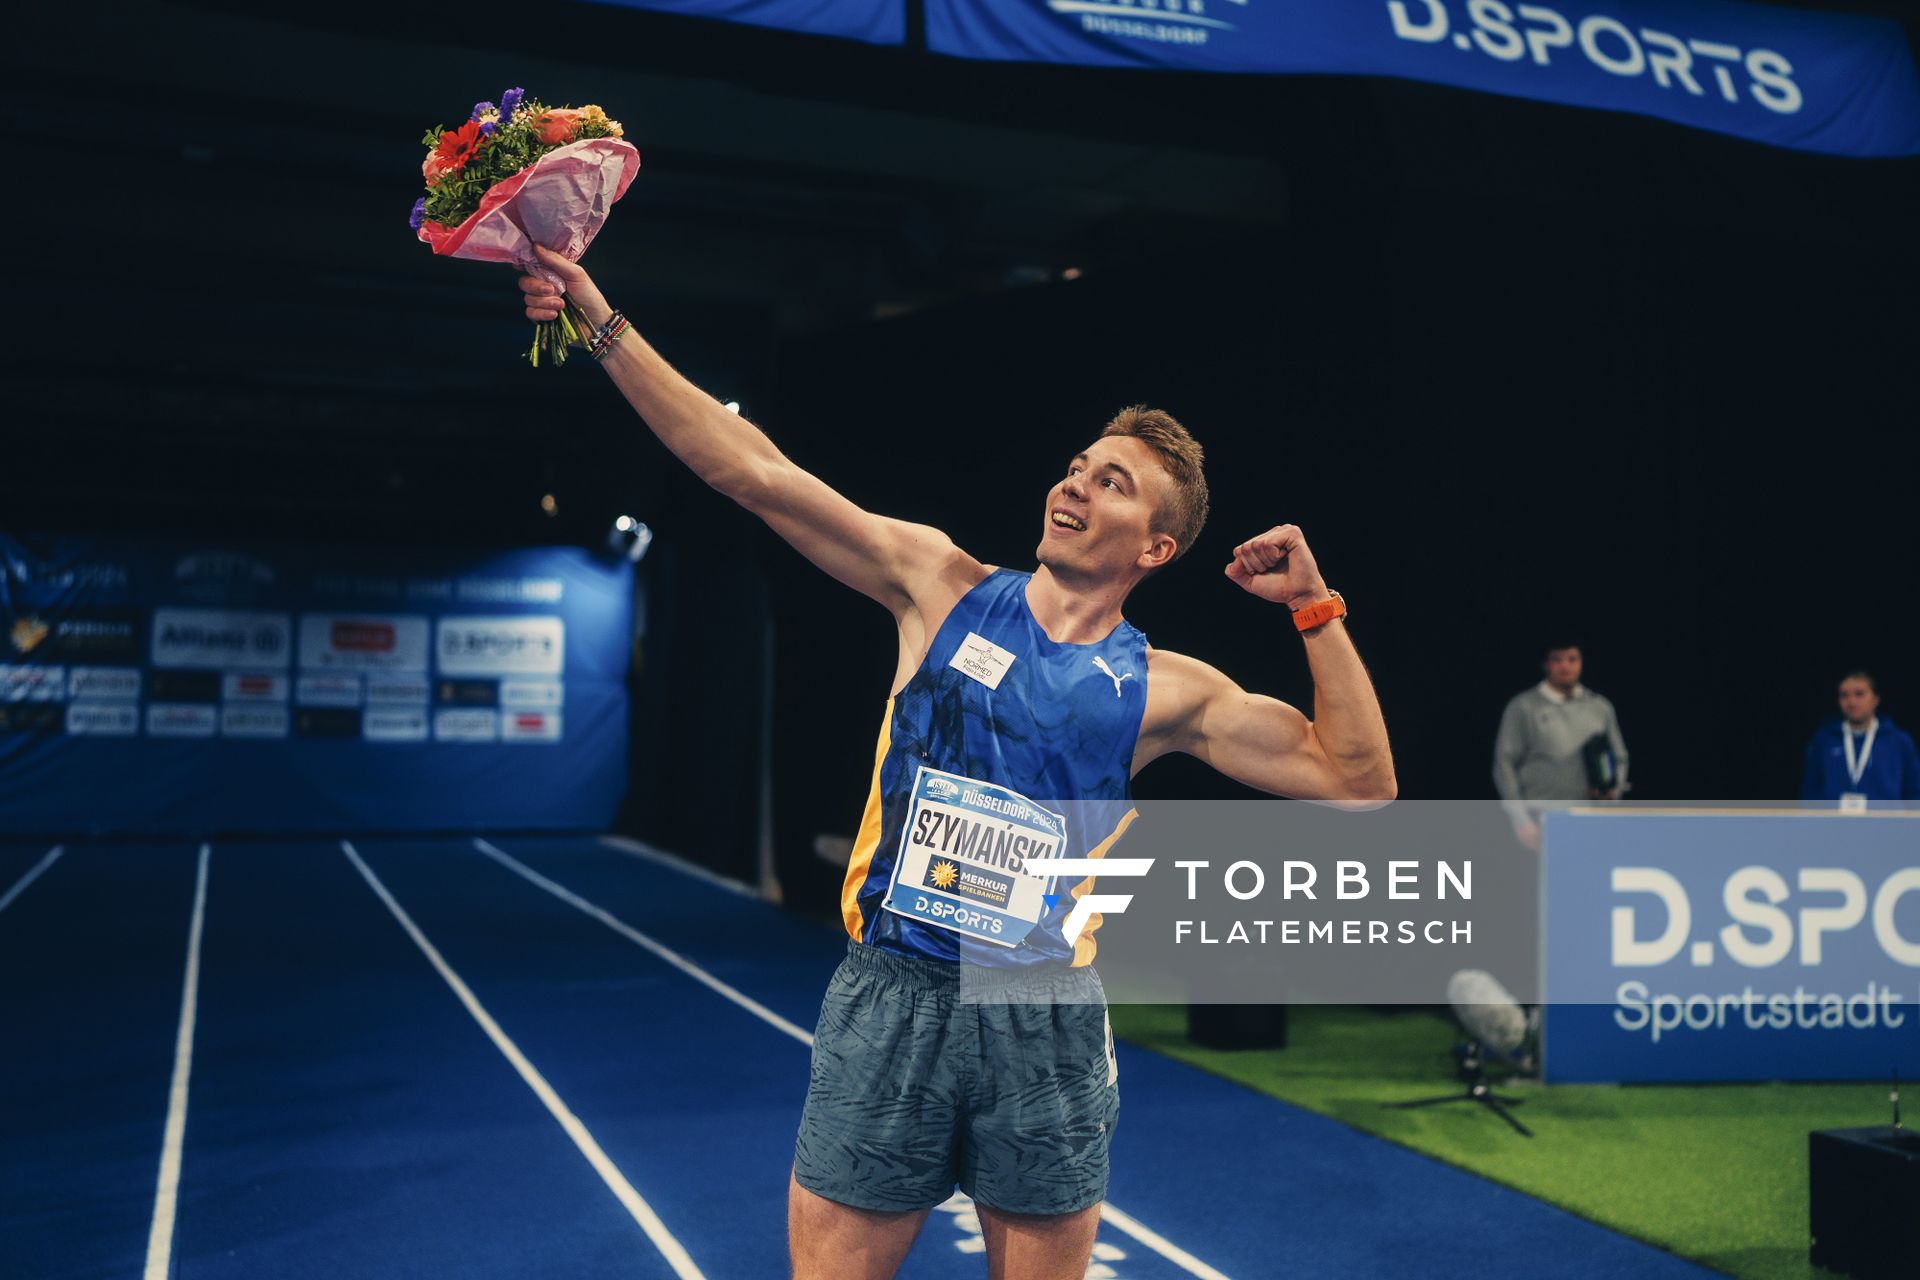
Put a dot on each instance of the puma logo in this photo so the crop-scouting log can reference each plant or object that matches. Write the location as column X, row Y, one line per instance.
column 1108, row 671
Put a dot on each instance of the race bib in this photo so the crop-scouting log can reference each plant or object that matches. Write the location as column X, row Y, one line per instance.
column 963, row 854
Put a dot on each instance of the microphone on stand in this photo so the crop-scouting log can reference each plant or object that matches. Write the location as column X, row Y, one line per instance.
column 1495, row 1023
column 1487, row 1010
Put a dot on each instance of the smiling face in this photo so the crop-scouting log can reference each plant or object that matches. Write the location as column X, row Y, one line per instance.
column 1100, row 518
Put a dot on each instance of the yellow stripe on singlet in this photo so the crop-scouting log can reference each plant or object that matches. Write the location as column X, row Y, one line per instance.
column 1084, row 946
column 868, row 839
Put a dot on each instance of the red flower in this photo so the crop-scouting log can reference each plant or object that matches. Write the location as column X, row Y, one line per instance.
column 556, row 126
column 456, row 148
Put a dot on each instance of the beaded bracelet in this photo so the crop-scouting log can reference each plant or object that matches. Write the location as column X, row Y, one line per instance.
column 609, row 333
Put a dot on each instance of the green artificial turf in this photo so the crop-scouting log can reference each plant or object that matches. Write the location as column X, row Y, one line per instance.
column 1715, row 1173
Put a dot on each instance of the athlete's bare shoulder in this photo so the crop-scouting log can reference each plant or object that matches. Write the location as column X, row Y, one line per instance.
column 942, row 573
column 939, row 573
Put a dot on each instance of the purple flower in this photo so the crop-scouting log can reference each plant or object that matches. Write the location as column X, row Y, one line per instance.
column 480, row 109
column 510, row 102
column 419, row 214
column 487, row 127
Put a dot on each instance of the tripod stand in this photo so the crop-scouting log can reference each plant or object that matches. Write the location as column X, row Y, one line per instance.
column 1473, row 1074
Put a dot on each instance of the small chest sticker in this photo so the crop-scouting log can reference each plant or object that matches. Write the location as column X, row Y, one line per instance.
column 982, row 659
column 963, row 854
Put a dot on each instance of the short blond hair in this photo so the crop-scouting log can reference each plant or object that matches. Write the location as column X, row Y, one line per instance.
column 1184, row 512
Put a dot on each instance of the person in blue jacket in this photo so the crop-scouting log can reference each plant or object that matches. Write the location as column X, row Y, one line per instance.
column 1859, row 755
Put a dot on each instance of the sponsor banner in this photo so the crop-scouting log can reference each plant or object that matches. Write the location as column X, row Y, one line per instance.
column 29, row 717
column 468, row 693
column 247, row 720
column 530, row 726
column 26, row 635
column 402, row 689
column 1732, row 946
column 182, row 720
column 533, row 695
column 222, row 577
column 464, row 725
column 278, row 679
column 103, row 719
column 503, row 646
column 72, row 639
column 254, row 686
column 185, row 686
column 329, row 691
column 103, row 682
column 355, row 586
column 1831, row 82
column 395, row 724
column 48, row 576
column 219, row 639
column 102, row 639
column 364, row 642
column 872, row 21
column 498, row 591
column 32, row 683
column 327, row 722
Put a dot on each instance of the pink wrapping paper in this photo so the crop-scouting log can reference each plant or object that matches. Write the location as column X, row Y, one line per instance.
column 560, row 200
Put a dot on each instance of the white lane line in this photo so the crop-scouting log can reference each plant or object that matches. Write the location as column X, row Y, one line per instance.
column 672, row 862
column 632, row 934
column 1158, row 1243
column 1113, row 1217
column 166, row 1195
column 20, row 885
column 643, row 1214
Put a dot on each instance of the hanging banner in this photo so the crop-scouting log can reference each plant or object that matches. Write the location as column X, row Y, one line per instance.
column 872, row 21
column 148, row 686
column 1829, row 82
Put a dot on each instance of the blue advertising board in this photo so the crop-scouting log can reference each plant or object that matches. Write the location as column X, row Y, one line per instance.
column 157, row 686
column 873, row 21
column 1815, row 81
column 1719, row 945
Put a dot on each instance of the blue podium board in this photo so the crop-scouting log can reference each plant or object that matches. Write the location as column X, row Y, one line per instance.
column 1731, row 945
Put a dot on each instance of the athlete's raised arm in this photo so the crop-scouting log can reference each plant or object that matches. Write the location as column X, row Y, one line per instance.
column 901, row 565
column 1341, row 754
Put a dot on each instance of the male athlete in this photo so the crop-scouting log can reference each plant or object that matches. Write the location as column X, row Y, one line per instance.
column 1012, row 691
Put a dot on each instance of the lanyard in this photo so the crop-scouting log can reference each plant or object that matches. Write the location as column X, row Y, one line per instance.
column 1856, row 768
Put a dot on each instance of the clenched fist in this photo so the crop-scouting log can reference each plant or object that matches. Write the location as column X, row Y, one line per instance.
column 544, row 299
column 1278, row 566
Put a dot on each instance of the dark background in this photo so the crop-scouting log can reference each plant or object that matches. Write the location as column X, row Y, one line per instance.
column 1521, row 372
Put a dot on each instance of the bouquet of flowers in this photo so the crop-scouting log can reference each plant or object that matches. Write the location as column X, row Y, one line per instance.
column 518, row 174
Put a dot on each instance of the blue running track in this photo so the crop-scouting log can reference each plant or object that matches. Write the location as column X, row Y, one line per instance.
column 611, row 1090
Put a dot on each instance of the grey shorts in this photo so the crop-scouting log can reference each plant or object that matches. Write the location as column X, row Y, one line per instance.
column 913, row 1092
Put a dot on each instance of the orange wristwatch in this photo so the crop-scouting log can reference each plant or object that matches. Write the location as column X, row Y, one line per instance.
column 1319, row 615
